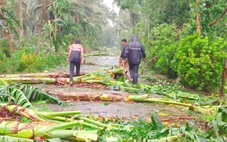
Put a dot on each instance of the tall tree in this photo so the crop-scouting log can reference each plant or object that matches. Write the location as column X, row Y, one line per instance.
column 10, row 23
column 44, row 6
column 198, row 17
column 20, row 17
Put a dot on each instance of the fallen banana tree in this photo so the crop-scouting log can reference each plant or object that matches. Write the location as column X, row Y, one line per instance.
column 102, row 76
column 63, row 125
column 106, row 78
column 72, row 126
column 23, row 94
column 36, row 75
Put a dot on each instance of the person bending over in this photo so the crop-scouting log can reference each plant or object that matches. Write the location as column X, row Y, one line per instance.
column 76, row 52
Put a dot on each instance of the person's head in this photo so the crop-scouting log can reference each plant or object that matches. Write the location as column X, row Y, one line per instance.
column 135, row 38
column 78, row 42
column 124, row 42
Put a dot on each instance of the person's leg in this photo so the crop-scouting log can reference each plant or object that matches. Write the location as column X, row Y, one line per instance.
column 71, row 71
column 136, row 74
column 131, row 70
column 126, row 68
column 77, row 64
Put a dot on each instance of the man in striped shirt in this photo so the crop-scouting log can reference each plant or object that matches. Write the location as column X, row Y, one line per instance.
column 76, row 52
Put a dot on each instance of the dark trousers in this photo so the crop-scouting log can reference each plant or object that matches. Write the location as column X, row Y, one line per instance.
column 133, row 69
column 72, row 65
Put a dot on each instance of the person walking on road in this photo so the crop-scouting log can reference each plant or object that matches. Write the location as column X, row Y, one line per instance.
column 134, row 52
column 75, row 58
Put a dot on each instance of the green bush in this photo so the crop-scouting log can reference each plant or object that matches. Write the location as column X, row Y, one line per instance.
column 163, row 64
column 54, row 60
column 4, row 48
column 26, row 61
column 162, row 46
column 199, row 62
column 30, row 63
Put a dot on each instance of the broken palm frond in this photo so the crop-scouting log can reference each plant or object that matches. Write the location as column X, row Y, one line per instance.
column 23, row 94
column 34, row 94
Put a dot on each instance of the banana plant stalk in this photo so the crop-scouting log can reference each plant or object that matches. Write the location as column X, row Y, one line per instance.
column 35, row 75
column 46, row 130
column 202, row 109
column 29, row 80
column 14, row 139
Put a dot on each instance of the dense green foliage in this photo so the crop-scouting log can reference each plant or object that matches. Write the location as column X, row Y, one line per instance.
column 199, row 62
column 168, row 30
column 27, row 61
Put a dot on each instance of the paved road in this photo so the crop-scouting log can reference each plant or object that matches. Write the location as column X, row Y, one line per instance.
column 115, row 109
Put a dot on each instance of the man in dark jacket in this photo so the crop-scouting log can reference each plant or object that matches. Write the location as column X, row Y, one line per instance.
column 134, row 52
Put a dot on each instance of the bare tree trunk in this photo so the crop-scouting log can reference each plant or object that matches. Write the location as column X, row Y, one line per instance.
column 11, row 41
column 41, row 25
column 198, row 18
column 56, row 25
column 2, row 2
column 20, row 16
column 55, row 29
column 224, row 79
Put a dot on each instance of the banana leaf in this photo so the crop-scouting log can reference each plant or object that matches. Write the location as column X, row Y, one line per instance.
column 24, row 94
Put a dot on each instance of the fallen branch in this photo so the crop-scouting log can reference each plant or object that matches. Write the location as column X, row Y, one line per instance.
column 219, row 19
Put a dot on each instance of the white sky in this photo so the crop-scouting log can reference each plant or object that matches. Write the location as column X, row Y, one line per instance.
column 109, row 4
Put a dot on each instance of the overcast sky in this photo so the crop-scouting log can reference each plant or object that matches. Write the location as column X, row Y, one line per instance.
column 109, row 4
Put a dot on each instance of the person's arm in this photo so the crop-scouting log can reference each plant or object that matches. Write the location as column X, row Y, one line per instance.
column 125, row 55
column 122, row 52
column 70, row 51
column 82, row 54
